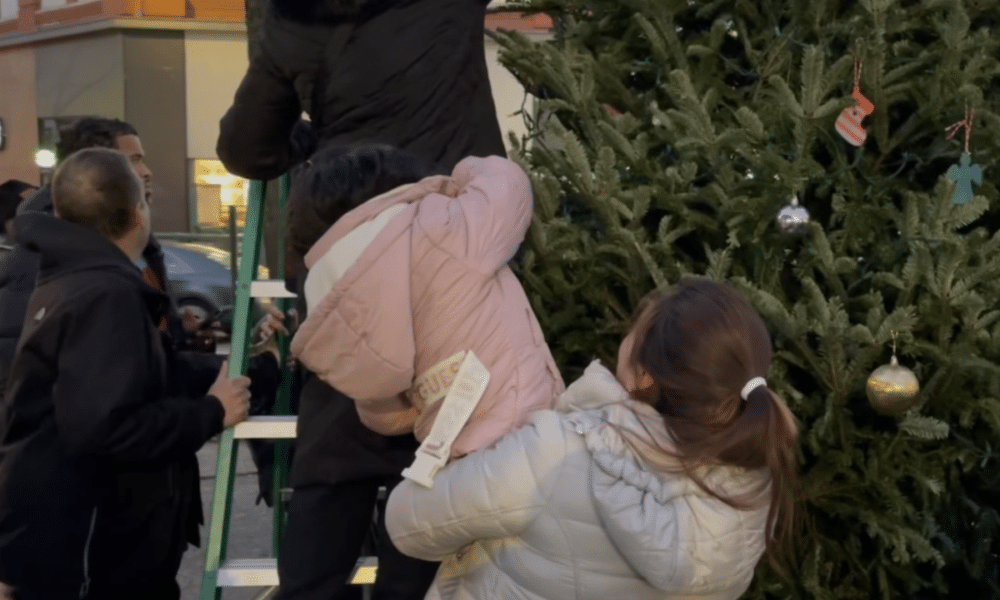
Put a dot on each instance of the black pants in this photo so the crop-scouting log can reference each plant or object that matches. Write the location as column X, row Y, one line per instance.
column 165, row 590
column 324, row 534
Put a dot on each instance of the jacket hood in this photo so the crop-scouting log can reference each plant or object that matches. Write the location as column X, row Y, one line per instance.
column 67, row 248
column 635, row 485
column 41, row 201
column 371, row 209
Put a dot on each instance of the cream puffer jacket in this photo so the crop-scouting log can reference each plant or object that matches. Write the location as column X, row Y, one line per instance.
column 570, row 506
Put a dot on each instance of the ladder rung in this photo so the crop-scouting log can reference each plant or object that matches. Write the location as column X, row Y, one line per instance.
column 365, row 571
column 270, row 288
column 263, row 572
column 266, row 428
column 248, row 572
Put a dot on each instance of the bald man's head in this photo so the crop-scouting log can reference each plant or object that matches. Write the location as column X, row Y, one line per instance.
column 96, row 188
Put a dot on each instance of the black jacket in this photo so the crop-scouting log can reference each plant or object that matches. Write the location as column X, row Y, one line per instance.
column 411, row 73
column 19, row 270
column 99, row 429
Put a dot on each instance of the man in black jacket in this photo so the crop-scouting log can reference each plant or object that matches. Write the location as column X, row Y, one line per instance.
column 99, row 429
column 19, row 266
column 409, row 73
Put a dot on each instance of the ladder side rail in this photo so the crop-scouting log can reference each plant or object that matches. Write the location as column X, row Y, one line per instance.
column 222, row 497
column 282, row 447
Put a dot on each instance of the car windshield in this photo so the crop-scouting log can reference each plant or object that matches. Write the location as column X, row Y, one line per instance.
column 219, row 256
column 175, row 264
column 187, row 250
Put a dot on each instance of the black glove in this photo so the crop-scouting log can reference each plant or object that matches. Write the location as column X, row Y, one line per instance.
column 265, row 377
column 304, row 141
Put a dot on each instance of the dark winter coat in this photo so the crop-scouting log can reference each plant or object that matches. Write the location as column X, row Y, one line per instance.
column 410, row 73
column 100, row 426
column 19, row 270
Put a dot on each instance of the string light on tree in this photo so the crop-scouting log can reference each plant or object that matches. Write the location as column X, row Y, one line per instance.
column 892, row 388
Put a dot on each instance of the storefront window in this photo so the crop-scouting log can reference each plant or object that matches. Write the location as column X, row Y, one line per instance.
column 215, row 191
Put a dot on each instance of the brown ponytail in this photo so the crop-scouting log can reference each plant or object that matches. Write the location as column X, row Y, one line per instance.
column 701, row 342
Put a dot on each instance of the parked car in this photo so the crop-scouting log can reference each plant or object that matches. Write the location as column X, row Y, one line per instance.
column 200, row 280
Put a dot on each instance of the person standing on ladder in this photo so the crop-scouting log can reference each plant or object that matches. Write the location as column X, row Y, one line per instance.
column 408, row 73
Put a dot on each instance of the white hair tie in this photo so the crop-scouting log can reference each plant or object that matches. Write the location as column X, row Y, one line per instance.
column 751, row 385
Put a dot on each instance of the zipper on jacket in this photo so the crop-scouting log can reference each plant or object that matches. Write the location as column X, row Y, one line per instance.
column 85, row 588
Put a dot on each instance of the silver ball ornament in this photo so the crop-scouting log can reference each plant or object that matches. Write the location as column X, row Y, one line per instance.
column 793, row 219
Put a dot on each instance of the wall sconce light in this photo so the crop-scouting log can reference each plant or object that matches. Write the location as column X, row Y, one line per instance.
column 45, row 159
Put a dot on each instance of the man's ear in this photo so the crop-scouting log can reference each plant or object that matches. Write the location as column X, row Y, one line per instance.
column 645, row 380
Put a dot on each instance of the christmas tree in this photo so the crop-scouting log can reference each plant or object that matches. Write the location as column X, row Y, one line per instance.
column 671, row 134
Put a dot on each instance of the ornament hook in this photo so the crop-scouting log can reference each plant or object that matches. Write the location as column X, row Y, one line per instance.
column 966, row 123
column 858, row 63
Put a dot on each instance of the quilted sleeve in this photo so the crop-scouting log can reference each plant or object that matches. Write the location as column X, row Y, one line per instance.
column 364, row 348
column 256, row 138
column 491, row 493
column 496, row 203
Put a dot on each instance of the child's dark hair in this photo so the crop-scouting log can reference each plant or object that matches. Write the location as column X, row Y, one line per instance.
column 701, row 342
column 336, row 180
column 91, row 132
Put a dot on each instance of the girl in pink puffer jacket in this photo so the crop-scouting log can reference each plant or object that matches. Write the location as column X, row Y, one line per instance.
column 407, row 287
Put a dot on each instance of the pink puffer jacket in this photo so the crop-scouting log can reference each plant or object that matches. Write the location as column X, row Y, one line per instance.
column 416, row 275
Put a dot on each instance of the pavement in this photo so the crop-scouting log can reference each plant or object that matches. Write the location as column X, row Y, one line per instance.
column 250, row 525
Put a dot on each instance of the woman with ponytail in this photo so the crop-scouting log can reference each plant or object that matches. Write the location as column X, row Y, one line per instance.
column 670, row 478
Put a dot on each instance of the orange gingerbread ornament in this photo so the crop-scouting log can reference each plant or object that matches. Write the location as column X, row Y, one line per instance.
column 849, row 122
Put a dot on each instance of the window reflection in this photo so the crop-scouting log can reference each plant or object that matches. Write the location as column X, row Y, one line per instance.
column 215, row 191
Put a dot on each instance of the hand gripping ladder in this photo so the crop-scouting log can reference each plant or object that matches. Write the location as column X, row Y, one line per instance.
column 219, row 572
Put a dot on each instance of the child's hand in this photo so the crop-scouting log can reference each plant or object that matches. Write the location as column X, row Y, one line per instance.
column 190, row 321
column 450, row 187
column 275, row 322
column 265, row 330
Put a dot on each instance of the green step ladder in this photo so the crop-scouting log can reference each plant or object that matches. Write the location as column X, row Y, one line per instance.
column 221, row 572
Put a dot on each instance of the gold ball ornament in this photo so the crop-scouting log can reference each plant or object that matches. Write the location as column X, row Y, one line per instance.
column 892, row 389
